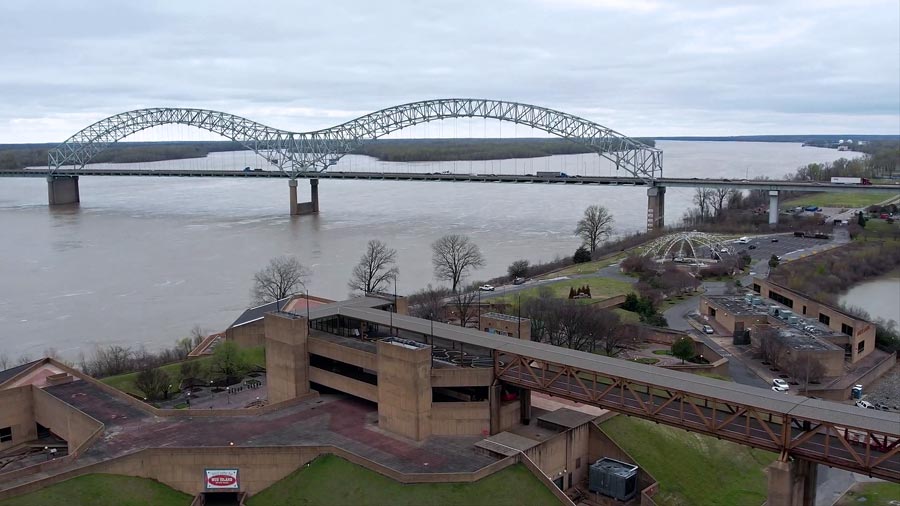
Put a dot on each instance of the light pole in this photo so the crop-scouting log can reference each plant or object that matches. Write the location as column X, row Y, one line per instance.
column 431, row 319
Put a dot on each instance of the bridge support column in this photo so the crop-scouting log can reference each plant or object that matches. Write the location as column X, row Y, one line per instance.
column 525, row 406
column 656, row 208
column 293, row 186
column 495, row 394
column 62, row 190
column 773, row 208
column 311, row 207
column 792, row 483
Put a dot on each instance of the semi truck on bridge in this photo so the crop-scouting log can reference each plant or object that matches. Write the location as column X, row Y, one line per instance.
column 850, row 180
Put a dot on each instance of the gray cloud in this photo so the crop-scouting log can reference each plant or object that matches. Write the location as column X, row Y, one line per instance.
column 643, row 68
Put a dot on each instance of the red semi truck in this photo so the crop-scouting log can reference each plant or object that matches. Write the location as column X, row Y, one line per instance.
column 850, row 180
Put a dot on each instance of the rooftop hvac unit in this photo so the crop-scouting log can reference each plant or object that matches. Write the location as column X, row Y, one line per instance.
column 773, row 310
column 748, row 298
column 784, row 314
column 793, row 320
column 613, row 478
column 757, row 300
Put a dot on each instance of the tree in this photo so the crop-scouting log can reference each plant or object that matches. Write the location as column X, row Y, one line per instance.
column 429, row 303
column 773, row 261
column 595, row 225
column 683, row 348
column 611, row 335
column 464, row 305
column 228, row 361
column 703, row 198
column 189, row 369
column 518, row 269
column 805, row 369
column 719, row 197
column 283, row 276
column 4, row 361
column 453, row 256
column 375, row 269
column 771, row 346
column 581, row 255
column 154, row 383
column 861, row 219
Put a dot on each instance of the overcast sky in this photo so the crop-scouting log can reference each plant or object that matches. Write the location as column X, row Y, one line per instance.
column 642, row 67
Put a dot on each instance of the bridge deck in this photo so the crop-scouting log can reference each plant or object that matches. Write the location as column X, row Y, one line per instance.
column 864, row 441
column 468, row 178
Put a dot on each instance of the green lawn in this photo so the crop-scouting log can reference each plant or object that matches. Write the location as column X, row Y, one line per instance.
column 871, row 494
column 601, row 288
column 627, row 316
column 332, row 480
column 125, row 382
column 839, row 199
column 693, row 470
column 103, row 490
column 586, row 267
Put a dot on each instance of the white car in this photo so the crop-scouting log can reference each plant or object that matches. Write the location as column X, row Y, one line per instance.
column 864, row 404
column 707, row 329
column 486, row 288
column 779, row 385
column 743, row 240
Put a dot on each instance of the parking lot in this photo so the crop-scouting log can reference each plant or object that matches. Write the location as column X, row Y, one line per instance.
column 787, row 245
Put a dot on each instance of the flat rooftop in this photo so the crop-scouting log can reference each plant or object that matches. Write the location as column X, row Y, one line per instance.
column 504, row 317
column 566, row 418
column 806, row 327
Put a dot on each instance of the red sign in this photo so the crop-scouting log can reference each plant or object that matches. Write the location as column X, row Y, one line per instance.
column 222, row 479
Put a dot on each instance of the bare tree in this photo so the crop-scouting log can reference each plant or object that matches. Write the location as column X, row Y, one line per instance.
column 453, row 256
column 429, row 303
column 703, row 199
column 375, row 269
column 24, row 359
column 771, row 346
column 4, row 361
column 518, row 269
column 719, row 197
column 612, row 336
column 464, row 305
column 595, row 225
column 805, row 369
column 154, row 383
column 283, row 276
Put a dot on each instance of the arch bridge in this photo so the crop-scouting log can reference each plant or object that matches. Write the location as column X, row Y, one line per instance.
column 304, row 154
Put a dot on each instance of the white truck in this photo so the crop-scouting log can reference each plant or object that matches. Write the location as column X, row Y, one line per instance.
column 850, row 180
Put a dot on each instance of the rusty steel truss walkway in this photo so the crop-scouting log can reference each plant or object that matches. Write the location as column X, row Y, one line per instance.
column 824, row 432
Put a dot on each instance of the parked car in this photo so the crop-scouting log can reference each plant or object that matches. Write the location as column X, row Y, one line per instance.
column 752, row 246
column 708, row 330
column 864, row 404
column 774, row 239
column 780, row 385
column 519, row 281
column 776, row 389
column 743, row 240
column 486, row 288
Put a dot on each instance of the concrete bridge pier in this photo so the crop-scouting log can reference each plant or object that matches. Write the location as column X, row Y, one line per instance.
column 656, row 208
column 792, row 483
column 773, row 208
column 62, row 190
column 311, row 207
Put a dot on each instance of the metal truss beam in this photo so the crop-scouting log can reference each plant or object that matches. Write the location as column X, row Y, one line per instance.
column 303, row 152
column 844, row 446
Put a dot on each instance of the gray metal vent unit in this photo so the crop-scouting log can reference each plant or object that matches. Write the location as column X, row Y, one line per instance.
column 613, row 478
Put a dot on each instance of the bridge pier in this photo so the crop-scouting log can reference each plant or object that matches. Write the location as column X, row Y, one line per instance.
column 656, row 208
column 62, row 190
column 301, row 208
column 773, row 208
column 792, row 483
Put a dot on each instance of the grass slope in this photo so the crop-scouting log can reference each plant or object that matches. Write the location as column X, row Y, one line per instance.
column 103, row 490
column 692, row 469
column 601, row 288
column 125, row 382
column 839, row 199
column 871, row 494
column 332, row 480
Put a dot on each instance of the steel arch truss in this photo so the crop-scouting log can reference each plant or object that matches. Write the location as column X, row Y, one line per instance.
column 854, row 449
column 315, row 151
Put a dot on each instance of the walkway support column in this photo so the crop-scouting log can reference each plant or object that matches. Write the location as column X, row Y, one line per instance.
column 525, row 406
column 773, row 208
column 656, row 208
column 62, row 190
column 293, row 186
column 792, row 483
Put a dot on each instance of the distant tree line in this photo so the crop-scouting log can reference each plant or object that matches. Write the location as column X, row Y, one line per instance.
column 19, row 156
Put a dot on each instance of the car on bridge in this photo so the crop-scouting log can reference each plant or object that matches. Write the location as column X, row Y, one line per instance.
column 779, row 385
column 486, row 288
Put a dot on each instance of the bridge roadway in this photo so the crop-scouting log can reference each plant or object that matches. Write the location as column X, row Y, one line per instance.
column 747, row 184
column 824, row 432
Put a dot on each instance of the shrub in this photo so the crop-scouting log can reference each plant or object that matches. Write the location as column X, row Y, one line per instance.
column 581, row 255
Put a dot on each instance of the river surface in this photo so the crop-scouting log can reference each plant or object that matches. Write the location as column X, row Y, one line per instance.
column 879, row 297
column 142, row 260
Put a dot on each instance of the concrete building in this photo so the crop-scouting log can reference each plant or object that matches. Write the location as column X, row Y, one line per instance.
column 855, row 335
column 505, row 325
